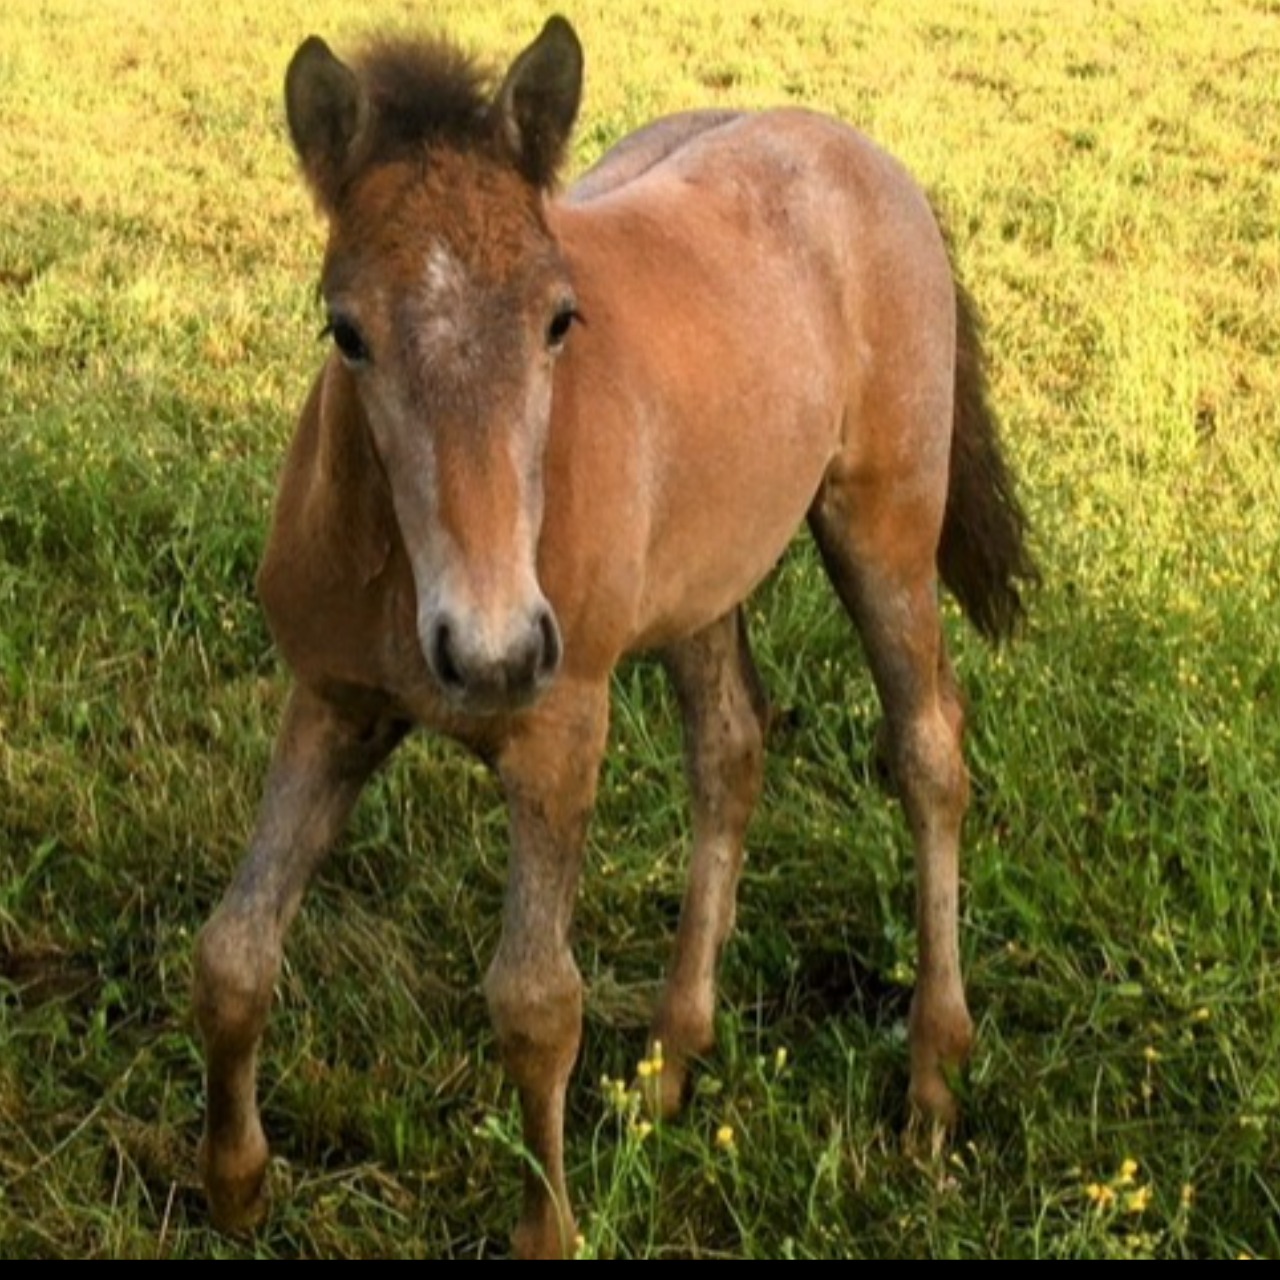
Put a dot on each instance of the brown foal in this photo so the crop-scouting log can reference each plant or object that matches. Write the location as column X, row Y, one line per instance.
column 556, row 429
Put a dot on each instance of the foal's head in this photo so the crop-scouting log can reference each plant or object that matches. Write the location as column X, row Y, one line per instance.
column 448, row 303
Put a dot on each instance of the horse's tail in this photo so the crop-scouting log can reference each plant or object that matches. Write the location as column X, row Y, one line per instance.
column 983, row 556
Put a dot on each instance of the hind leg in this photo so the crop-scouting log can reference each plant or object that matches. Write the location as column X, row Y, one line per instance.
column 878, row 542
column 723, row 707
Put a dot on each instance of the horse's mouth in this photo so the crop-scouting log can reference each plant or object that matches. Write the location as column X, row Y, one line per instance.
column 492, row 703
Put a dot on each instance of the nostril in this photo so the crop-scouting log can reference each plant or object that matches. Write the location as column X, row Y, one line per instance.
column 442, row 657
column 549, row 662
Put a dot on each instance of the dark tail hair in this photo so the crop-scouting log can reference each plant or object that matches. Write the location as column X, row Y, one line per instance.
column 983, row 556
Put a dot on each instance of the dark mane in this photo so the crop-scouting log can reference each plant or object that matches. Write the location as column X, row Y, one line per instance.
column 402, row 96
column 423, row 91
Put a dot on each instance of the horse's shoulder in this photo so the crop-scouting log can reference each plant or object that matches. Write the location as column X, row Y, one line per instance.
column 332, row 532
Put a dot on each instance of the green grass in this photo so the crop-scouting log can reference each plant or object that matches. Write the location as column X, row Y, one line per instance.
column 1108, row 173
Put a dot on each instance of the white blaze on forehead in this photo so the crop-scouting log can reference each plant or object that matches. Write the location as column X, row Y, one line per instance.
column 445, row 276
column 447, row 291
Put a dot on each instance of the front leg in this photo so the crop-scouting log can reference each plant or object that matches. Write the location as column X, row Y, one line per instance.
column 323, row 757
column 549, row 769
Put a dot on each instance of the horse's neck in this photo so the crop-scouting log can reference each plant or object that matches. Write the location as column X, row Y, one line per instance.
column 348, row 505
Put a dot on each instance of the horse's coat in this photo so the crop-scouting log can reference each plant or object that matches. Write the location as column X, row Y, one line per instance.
column 556, row 431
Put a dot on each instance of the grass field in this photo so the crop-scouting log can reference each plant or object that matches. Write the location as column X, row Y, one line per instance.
column 1109, row 173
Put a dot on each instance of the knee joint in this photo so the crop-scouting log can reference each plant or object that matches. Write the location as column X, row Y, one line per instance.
column 732, row 753
column 928, row 761
column 535, row 1006
column 235, row 974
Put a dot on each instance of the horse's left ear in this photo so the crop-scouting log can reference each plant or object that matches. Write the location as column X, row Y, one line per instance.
column 538, row 102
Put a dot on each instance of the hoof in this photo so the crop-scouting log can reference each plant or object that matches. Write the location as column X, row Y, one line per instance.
column 666, row 1074
column 941, row 1043
column 664, row 1093
column 934, row 1109
column 236, row 1190
column 933, row 1102
column 544, row 1238
column 925, row 1137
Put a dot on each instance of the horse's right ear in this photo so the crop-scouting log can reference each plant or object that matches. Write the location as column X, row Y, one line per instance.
column 326, row 108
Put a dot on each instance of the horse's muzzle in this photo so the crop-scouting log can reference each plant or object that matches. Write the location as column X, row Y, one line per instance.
column 485, row 678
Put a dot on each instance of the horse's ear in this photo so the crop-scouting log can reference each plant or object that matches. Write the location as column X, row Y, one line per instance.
column 538, row 102
column 326, row 108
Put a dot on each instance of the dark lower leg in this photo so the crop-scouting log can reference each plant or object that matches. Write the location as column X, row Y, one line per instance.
column 935, row 794
column 722, row 706
column 892, row 597
column 320, row 765
column 534, row 990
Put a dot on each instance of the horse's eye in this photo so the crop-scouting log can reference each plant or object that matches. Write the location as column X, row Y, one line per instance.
column 558, row 329
column 346, row 337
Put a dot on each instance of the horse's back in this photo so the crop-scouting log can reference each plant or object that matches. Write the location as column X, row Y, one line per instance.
column 791, row 162
column 637, row 153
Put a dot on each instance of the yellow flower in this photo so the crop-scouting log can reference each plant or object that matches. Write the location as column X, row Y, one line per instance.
column 780, row 1059
column 1139, row 1201
column 653, row 1064
column 726, row 1139
column 1188, row 1194
column 1100, row 1195
column 641, row 1129
column 1127, row 1171
column 617, row 1095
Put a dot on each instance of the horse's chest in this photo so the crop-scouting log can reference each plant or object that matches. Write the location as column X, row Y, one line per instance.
column 332, row 628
